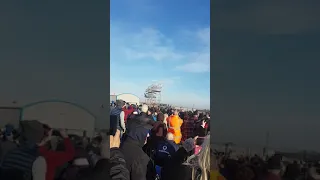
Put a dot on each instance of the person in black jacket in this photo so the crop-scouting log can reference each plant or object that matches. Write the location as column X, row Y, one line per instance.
column 200, row 131
column 117, row 118
column 137, row 160
column 174, row 169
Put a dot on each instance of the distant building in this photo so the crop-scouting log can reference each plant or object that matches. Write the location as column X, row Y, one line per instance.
column 127, row 97
column 113, row 98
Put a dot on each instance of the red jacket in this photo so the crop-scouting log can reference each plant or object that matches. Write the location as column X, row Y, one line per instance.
column 127, row 112
column 206, row 125
column 56, row 159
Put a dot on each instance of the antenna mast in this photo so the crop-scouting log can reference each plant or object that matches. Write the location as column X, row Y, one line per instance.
column 153, row 94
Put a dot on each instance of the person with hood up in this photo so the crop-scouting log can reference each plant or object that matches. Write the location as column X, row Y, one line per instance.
column 117, row 116
column 174, row 126
column 25, row 162
column 137, row 160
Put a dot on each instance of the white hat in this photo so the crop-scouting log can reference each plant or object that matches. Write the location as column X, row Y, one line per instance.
column 144, row 108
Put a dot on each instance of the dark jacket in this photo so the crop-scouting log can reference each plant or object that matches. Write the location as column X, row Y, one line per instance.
column 159, row 129
column 199, row 130
column 19, row 162
column 155, row 150
column 113, row 168
column 5, row 147
column 115, row 121
column 139, row 119
column 144, row 118
column 136, row 134
column 137, row 160
column 174, row 145
column 174, row 169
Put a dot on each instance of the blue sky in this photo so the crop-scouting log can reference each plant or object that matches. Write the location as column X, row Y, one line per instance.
column 161, row 41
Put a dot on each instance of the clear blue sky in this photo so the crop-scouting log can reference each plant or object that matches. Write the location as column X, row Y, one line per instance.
column 162, row 41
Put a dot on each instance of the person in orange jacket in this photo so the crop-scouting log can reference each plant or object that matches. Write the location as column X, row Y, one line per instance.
column 174, row 123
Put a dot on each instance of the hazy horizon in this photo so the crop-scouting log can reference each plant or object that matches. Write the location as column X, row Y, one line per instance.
column 265, row 69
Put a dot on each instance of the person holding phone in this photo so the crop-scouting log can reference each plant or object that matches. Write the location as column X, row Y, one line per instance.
column 111, row 166
column 53, row 158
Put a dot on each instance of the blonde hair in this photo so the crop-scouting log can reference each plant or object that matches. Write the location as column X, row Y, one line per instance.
column 201, row 160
